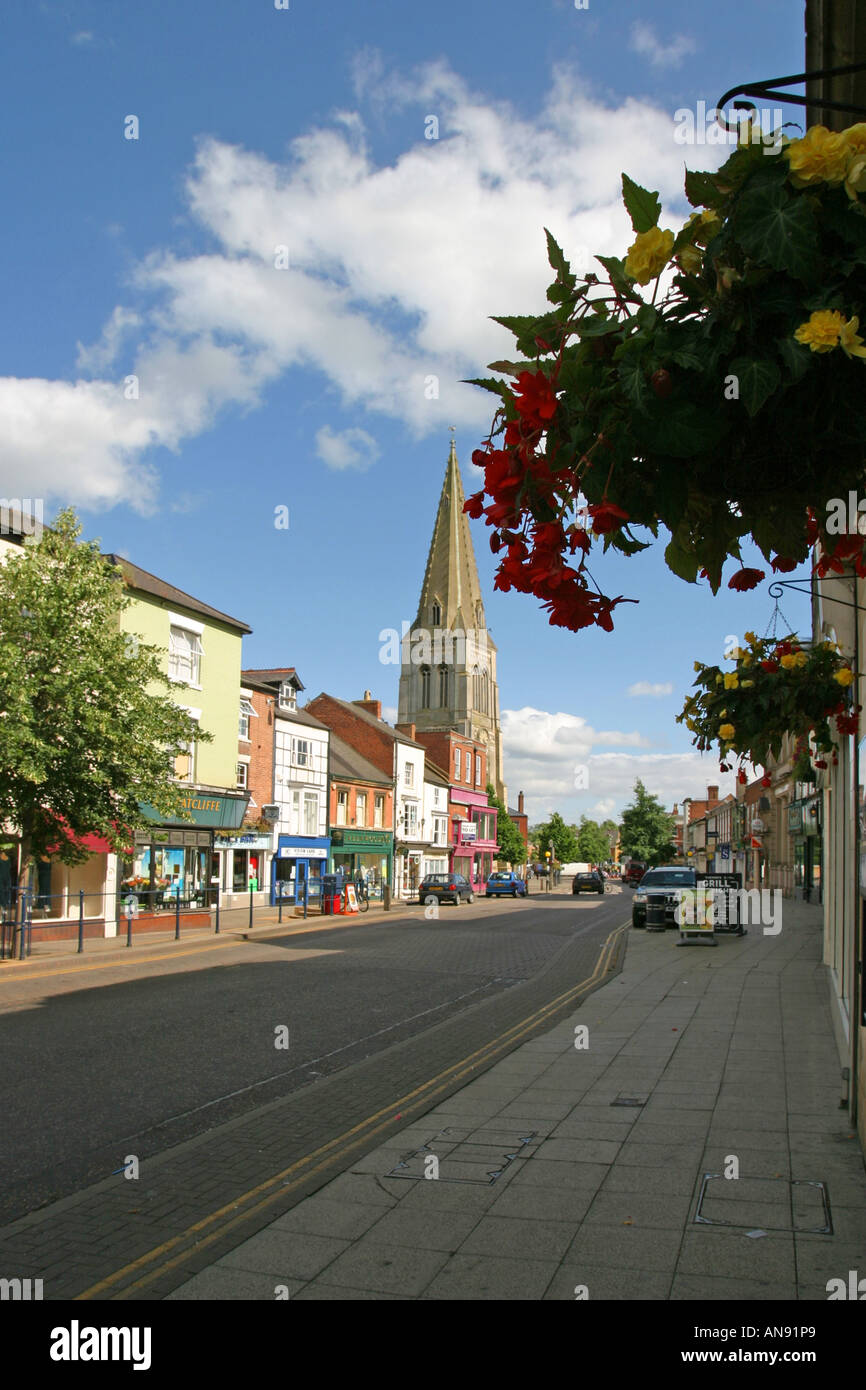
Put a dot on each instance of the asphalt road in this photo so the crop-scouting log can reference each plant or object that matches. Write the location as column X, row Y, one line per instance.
column 103, row 1061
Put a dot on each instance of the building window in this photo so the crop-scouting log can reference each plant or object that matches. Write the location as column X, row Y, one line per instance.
column 468, row 766
column 246, row 713
column 440, row 832
column 379, row 812
column 288, row 696
column 311, row 813
column 361, row 808
column 411, row 819
column 409, row 775
column 302, row 752
column 242, row 775
column 456, row 764
column 184, row 655
column 436, row 614
column 443, row 686
column 425, row 687
column 342, row 808
column 478, row 769
column 184, row 762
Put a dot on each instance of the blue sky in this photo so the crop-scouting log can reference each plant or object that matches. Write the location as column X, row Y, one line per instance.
column 304, row 386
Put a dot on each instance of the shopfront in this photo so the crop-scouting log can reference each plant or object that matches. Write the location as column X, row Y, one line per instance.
column 804, row 828
column 243, row 866
column 366, row 852
column 474, row 844
column 297, row 867
column 174, row 862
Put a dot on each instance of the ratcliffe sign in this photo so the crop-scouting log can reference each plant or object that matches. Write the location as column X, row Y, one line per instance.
column 203, row 808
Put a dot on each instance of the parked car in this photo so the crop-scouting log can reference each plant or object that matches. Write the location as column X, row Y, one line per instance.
column 445, row 888
column 505, row 883
column 661, row 886
column 592, row 882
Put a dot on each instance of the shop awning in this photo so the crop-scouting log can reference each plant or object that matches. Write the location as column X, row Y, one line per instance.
column 94, row 844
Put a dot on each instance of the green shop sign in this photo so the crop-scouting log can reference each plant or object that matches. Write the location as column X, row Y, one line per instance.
column 214, row 809
column 371, row 841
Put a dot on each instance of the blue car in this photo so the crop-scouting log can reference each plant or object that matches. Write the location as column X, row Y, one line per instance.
column 505, row 883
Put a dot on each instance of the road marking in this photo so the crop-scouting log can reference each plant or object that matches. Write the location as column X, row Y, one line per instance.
column 352, row 1139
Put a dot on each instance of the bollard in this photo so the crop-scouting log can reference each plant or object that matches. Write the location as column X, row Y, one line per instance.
column 217, row 927
column 280, row 908
column 386, row 897
column 251, row 906
column 80, row 920
column 129, row 924
column 306, row 896
column 177, row 915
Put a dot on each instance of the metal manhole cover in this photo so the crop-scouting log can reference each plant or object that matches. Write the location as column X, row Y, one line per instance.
column 465, row 1160
column 794, row 1205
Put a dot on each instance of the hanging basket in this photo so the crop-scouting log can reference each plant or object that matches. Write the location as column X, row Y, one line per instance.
column 732, row 405
column 776, row 689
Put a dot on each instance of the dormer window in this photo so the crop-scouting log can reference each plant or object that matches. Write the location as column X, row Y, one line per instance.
column 288, row 696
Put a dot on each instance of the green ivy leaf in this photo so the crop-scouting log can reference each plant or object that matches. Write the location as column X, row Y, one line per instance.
column 779, row 229
column 758, row 378
column 643, row 208
column 796, row 357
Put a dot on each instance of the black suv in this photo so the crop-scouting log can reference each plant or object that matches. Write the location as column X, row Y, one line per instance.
column 659, row 887
column 445, row 888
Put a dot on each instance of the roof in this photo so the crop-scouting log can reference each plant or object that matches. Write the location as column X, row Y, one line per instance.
column 432, row 773
column 451, row 575
column 350, row 766
column 371, row 719
column 147, row 583
column 274, row 675
column 300, row 716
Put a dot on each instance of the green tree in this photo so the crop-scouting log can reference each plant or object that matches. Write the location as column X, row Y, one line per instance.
column 512, row 846
column 593, row 845
column 647, row 830
column 85, row 734
column 557, row 837
column 611, row 830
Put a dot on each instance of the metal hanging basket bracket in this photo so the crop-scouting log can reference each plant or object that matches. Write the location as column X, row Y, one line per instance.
column 768, row 86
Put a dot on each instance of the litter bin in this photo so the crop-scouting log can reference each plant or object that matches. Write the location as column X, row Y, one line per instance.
column 330, row 895
column 655, row 914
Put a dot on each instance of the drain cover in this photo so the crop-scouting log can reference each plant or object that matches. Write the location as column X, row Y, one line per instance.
column 798, row 1205
column 465, row 1160
column 629, row 1100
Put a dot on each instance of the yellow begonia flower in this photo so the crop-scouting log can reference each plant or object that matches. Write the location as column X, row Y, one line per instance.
column 699, row 666
column 690, row 259
column 820, row 157
column 648, row 255
column 855, row 144
column 732, row 680
column 789, row 661
column 750, row 637
column 801, row 659
column 746, row 684
column 845, row 676
column 726, row 731
column 719, row 678
column 748, row 659
column 822, row 330
column 849, row 341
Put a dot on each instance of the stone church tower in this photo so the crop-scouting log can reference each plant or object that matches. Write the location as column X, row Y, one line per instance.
column 448, row 668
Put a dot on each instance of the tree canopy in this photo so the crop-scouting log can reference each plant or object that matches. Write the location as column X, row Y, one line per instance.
column 647, row 830
column 557, row 837
column 512, row 846
column 85, row 733
column 593, row 843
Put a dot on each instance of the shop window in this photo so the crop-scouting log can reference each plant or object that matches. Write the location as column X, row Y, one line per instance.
column 361, row 808
column 342, row 808
column 184, row 655
column 379, row 812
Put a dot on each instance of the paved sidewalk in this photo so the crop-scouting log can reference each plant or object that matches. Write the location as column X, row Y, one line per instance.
column 548, row 1184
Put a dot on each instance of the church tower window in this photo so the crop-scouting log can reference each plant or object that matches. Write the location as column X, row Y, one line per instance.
column 425, row 687
column 443, row 686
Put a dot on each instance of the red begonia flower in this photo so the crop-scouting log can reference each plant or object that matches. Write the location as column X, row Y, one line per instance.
column 746, row 579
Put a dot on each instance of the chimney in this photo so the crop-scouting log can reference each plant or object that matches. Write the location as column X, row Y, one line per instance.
column 407, row 729
column 520, row 803
column 372, row 706
column 712, row 793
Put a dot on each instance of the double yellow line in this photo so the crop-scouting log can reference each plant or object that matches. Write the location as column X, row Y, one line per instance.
column 275, row 1188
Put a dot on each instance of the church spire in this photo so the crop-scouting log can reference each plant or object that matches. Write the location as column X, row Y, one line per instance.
column 451, row 584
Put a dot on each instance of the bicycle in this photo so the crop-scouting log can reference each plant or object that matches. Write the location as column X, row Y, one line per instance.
column 362, row 893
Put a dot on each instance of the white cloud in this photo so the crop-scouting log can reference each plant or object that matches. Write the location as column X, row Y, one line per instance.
column 542, row 751
column 351, row 448
column 643, row 40
column 647, row 688
column 394, row 271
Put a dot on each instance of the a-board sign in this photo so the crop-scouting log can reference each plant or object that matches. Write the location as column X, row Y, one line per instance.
column 726, row 890
column 351, row 898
